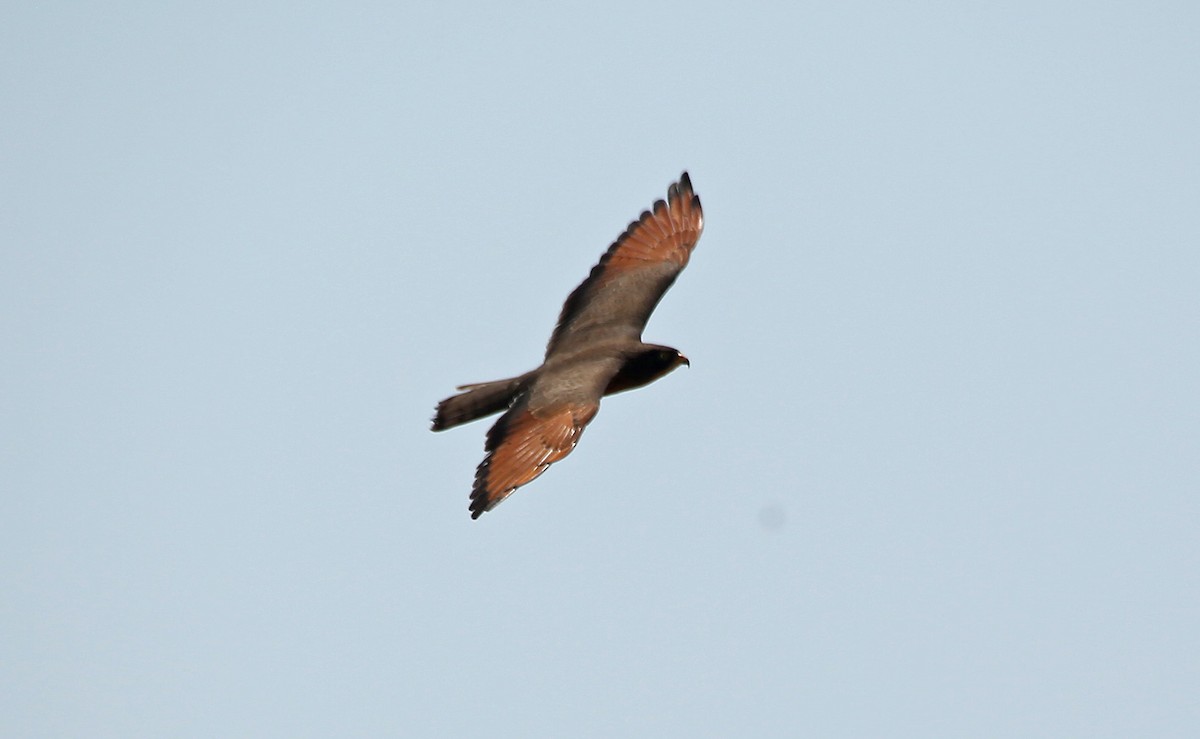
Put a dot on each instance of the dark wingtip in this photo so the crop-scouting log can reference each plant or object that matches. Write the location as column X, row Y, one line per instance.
column 479, row 495
column 685, row 186
column 479, row 503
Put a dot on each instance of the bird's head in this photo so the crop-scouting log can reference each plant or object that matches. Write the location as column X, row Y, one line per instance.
column 668, row 359
column 645, row 366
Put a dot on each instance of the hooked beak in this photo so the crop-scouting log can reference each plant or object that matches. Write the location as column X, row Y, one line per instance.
column 684, row 360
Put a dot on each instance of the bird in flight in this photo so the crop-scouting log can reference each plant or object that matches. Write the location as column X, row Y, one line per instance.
column 596, row 350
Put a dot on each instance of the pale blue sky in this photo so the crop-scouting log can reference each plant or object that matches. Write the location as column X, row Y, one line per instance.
column 934, row 471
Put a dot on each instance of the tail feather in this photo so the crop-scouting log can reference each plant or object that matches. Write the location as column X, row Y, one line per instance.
column 478, row 400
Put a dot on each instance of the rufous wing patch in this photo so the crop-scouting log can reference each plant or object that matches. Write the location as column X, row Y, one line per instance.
column 643, row 261
column 666, row 233
column 520, row 447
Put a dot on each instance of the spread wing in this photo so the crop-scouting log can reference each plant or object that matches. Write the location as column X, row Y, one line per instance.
column 543, row 426
column 617, row 298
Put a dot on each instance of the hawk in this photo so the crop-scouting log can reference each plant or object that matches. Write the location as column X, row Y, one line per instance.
column 596, row 350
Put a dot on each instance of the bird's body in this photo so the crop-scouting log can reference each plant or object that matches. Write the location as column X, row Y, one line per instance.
column 596, row 350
